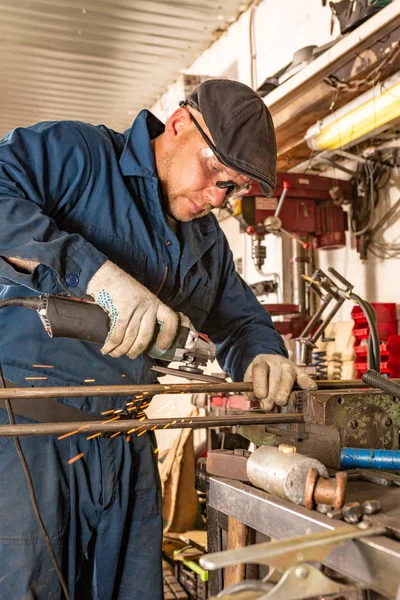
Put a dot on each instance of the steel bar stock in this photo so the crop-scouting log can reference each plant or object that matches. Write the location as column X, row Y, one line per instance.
column 154, row 389
column 134, row 425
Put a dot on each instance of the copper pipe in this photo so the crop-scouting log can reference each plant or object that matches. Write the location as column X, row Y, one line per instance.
column 125, row 425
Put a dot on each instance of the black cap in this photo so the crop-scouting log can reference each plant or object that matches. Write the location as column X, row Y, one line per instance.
column 241, row 127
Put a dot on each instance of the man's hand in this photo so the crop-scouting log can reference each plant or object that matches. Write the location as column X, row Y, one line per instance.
column 273, row 377
column 134, row 312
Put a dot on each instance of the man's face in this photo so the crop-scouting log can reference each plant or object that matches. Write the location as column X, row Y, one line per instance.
column 192, row 171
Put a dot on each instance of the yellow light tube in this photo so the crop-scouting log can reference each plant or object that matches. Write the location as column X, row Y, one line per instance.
column 371, row 112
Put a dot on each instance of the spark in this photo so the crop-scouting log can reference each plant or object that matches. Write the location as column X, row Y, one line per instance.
column 156, row 451
column 183, row 420
column 128, row 438
column 107, row 412
column 75, row 458
column 89, row 380
column 167, row 425
column 113, row 419
column 129, row 403
column 173, row 422
column 135, row 429
column 143, row 418
column 142, row 432
column 190, row 422
column 123, row 375
column 114, row 434
column 93, row 436
column 43, row 366
column 61, row 437
column 119, row 410
column 34, row 378
column 153, row 428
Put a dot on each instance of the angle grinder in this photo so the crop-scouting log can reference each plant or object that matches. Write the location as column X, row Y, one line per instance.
column 87, row 321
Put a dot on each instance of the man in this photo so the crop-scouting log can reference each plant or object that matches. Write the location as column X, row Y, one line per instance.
column 125, row 219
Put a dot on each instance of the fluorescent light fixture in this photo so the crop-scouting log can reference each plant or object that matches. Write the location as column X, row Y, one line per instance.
column 367, row 115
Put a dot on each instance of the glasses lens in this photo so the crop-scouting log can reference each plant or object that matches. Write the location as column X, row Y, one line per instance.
column 213, row 170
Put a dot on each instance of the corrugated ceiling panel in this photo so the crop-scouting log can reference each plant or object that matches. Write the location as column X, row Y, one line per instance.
column 98, row 61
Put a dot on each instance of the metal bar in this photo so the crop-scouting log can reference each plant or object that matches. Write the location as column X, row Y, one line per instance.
column 126, row 425
column 155, row 389
column 327, row 320
column 365, row 458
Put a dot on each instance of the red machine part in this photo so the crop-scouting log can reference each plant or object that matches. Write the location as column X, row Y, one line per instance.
column 307, row 210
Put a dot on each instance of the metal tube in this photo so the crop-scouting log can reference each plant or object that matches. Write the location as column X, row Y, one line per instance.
column 300, row 259
column 327, row 320
column 365, row 458
column 125, row 425
column 155, row 389
column 326, row 300
column 122, row 390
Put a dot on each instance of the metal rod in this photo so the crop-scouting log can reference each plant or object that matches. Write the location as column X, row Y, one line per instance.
column 122, row 390
column 155, row 389
column 125, row 425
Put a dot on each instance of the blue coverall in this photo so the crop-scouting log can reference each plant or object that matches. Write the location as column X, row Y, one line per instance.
column 71, row 196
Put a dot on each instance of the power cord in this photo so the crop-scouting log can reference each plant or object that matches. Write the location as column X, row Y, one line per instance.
column 374, row 356
column 32, row 494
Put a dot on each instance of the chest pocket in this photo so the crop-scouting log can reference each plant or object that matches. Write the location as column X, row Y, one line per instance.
column 200, row 305
column 130, row 258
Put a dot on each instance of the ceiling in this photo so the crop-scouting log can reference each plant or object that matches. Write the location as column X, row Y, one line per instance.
column 99, row 61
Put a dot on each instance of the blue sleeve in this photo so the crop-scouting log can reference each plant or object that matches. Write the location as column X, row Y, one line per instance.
column 238, row 324
column 44, row 169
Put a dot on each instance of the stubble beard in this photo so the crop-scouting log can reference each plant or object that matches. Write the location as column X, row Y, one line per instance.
column 175, row 198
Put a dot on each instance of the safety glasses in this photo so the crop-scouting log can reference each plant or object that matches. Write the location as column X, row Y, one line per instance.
column 213, row 170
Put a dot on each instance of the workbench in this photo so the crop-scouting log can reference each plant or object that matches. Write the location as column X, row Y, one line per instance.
column 372, row 562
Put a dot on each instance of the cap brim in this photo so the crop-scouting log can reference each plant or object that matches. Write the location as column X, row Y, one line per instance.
column 266, row 186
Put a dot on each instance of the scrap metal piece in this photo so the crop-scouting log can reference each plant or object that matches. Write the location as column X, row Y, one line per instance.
column 311, row 482
column 371, row 507
column 352, row 509
column 335, row 514
column 228, row 463
column 352, row 519
column 324, row 508
column 331, row 491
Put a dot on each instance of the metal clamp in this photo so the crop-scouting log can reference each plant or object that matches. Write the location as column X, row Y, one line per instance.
column 293, row 556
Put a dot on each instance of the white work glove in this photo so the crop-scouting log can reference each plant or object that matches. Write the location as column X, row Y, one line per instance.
column 273, row 377
column 133, row 311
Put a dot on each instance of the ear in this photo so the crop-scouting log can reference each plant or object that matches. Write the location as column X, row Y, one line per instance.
column 177, row 125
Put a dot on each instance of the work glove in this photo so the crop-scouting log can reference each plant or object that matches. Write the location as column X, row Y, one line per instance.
column 273, row 377
column 134, row 313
